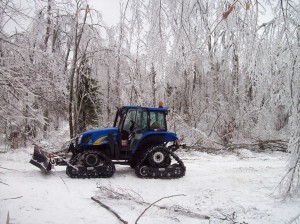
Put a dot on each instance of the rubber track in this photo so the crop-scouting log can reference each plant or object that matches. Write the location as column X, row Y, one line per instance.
column 105, row 170
column 171, row 172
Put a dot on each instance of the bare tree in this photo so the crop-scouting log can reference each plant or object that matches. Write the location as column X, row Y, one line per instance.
column 78, row 31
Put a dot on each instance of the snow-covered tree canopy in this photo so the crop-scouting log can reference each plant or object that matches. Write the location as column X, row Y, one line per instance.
column 228, row 76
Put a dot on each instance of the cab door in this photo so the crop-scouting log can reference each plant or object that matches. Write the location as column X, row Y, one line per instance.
column 135, row 124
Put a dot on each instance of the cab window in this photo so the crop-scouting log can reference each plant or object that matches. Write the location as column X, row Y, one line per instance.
column 139, row 119
column 157, row 120
column 130, row 116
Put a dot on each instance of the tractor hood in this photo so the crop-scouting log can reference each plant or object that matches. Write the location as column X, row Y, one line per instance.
column 96, row 137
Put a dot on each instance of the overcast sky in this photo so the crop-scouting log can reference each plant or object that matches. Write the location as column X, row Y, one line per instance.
column 110, row 10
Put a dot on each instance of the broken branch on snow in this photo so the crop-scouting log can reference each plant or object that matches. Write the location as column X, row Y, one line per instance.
column 11, row 198
column 3, row 183
column 259, row 145
column 109, row 209
column 125, row 194
column 155, row 203
column 65, row 184
column 1, row 167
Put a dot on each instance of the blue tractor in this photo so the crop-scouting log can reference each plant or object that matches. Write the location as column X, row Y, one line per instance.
column 139, row 138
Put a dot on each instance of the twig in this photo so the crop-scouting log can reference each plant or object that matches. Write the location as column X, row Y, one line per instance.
column 294, row 220
column 65, row 184
column 7, row 218
column 186, row 212
column 7, row 168
column 142, row 200
column 212, row 128
column 109, row 209
column 155, row 203
column 3, row 183
column 11, row 198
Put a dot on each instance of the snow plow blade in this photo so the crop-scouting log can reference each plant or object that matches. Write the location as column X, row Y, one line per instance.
column 41, row 159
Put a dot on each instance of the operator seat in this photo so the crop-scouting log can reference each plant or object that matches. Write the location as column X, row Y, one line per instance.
column 155, row 125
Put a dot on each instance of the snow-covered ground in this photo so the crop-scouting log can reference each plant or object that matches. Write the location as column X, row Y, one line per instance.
column 227, row 188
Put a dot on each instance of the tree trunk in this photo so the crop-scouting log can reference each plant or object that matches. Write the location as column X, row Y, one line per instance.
column 153, row 83
column 48, row 25
column 73, row 69
column 118, row 72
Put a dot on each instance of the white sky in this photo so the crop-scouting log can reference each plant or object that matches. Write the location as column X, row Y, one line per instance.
column 110, row 10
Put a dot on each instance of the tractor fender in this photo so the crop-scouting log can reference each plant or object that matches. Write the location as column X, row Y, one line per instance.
column 150, row 139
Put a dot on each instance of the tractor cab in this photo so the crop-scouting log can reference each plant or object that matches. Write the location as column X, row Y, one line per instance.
column 134, row 123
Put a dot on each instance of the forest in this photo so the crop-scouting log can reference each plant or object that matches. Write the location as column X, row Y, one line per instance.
column 229, row 77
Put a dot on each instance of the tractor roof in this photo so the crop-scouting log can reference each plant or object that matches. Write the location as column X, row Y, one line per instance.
column 147, row 108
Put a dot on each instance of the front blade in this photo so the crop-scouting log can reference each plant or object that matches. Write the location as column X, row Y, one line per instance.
column 40, row 159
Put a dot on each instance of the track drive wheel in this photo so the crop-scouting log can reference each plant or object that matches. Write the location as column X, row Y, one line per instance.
column 91, row 159
column 159, row 157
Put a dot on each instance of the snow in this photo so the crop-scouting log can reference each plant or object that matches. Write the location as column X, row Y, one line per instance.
column 238, row 186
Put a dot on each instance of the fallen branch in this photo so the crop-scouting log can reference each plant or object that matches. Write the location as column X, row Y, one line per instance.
column 186, row 212
column 229, row 217
column 65, row 184
column 1, row 167
column 259, row 145
column 119, row 194
column 3, row 183
column 116, row 194
column 11, row 198
column 155, row 203
column 109, row 209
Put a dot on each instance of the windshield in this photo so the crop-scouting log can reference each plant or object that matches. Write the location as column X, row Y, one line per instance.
column 158, row 120
column 139, row 119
